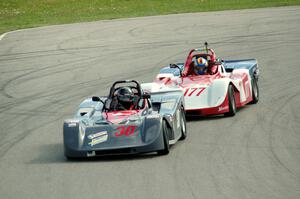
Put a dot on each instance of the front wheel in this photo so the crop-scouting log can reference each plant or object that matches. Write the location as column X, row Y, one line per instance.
column 231, row 102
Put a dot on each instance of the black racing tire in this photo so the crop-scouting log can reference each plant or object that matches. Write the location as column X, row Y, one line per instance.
column 166, row 149
column 255, row 91
column 183, row 124
column 231, row 102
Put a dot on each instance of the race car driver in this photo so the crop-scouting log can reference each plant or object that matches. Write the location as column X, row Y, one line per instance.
column 197, row 67
column 124, row 99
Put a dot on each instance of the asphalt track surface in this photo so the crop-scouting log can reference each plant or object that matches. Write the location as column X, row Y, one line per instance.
column 46, row 72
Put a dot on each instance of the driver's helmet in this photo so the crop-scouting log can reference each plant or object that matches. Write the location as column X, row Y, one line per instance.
column 200, row 65
column 125, row 94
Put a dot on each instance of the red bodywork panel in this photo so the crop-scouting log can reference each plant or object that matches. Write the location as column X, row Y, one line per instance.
column 116, row 117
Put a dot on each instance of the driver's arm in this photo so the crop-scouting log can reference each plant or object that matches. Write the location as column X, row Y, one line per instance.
column 114, row 104
column 188, row 70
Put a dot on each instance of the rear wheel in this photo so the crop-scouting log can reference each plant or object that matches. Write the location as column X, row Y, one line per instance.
column 183, row 124
column 166, row 149
column 255, row 92
column 231, row 102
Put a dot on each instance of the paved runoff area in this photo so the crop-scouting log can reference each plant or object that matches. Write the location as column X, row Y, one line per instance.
column 46, row 72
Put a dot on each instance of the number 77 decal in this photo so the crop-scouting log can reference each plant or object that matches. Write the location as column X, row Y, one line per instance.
column 193, row 92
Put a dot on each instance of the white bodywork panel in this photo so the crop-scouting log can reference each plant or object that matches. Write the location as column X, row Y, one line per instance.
column 200, row 96
column 245, row 89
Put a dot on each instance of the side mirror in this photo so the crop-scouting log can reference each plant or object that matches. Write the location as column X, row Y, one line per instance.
column 97, row 99
column 219, row 62
column 176, row 66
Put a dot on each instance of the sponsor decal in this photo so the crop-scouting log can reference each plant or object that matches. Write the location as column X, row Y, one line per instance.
column 72, row 124
column 125, row 131
column 72, row 121
column 153, row 116
column 168, row 105
column 92, row 136
column 222, row 108
column 98, row 138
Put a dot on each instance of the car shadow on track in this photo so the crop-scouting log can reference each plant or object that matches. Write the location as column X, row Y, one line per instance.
column 192, row 118
column 49, row 153
column 196, row 118
column 54, row 153
column 115, row 158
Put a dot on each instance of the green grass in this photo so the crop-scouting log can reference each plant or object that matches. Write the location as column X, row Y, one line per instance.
column 17, row 14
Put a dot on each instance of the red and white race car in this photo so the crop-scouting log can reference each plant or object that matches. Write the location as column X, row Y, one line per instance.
column 227, row 86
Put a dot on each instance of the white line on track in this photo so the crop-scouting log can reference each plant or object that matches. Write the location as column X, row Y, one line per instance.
column 3, row 35
column 6, row 33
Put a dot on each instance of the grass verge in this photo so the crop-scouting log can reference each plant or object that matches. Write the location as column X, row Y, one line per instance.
column 17, row 14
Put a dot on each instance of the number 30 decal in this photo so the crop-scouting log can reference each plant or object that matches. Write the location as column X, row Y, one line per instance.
column 125, row 130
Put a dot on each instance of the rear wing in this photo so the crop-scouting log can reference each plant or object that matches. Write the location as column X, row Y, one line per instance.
column 250, row 64
column 230, row 65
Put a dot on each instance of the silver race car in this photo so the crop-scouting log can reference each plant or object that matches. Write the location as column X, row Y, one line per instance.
column 127, row 121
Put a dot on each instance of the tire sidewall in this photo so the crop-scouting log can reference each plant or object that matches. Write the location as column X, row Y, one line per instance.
column 255, row 91
column 231, row 101
column 183, row 124
column 166, row 135
column 233, row 104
